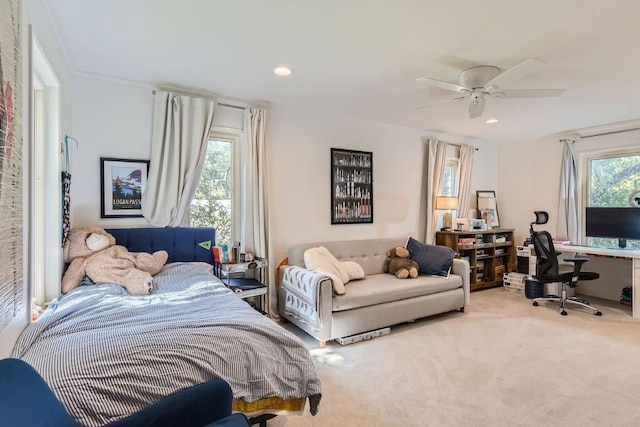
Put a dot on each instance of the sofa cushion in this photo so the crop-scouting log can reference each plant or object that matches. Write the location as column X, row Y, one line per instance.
column 382, row 288
column 369, row 253
column 432, row 259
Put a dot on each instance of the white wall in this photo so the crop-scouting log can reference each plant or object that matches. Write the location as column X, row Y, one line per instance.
column 529, row 179
column 113, row 119
column 46, row 37
column 299, row 187
column 529, row 175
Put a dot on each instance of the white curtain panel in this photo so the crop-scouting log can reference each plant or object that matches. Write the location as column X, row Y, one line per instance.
column 254, row 226
column 436, row 157
column 568, row 201
column 181, row 127
column 464, row 188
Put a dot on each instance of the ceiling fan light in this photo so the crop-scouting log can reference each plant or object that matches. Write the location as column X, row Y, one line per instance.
column 491, row 121
column 283, row 71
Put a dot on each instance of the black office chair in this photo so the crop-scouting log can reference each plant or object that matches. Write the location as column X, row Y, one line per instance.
column 548, row 269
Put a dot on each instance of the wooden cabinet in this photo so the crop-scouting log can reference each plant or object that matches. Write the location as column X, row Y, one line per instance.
column 490, row 253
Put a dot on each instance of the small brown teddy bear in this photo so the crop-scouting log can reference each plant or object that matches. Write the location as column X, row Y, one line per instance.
column 398, row 262
column 93, row 252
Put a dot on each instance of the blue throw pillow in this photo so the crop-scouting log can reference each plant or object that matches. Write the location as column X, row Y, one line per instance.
column 432, row 259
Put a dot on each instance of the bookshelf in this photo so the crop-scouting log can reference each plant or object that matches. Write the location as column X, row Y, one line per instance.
column 490, row 253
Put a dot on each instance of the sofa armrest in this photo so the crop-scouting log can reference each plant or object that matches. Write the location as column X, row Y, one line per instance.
column 316, row 301
column 461, row 267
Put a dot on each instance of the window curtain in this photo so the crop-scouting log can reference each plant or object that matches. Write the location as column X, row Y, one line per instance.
column 181, row 127
column 464, row 187
column 567, row 228
column 254, row 226
column 434, row 169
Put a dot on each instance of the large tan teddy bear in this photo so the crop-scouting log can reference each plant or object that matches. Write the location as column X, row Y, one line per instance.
column 93, row 253
column 400, row 264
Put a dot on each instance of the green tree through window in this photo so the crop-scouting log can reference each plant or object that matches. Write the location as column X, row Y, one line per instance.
column 612, row 180
column 213, row 200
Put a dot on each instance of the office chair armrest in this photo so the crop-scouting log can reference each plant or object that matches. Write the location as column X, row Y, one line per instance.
column 576, row 259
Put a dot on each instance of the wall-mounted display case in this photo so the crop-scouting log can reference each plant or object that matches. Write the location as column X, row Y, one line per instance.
column 351, row 186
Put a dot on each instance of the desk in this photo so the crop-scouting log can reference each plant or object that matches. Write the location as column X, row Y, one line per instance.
column 616, row 253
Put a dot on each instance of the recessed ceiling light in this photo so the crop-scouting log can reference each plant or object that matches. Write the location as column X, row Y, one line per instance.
column 283, row 71
column 491, row 121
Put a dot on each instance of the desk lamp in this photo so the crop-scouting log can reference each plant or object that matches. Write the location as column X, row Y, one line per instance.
column 446, row 203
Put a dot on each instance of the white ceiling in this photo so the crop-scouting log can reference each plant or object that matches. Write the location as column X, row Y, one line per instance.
column 360, row 58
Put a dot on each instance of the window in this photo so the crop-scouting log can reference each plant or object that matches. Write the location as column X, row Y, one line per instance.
column 613, row 180
column 451, row 178
column 215, row 201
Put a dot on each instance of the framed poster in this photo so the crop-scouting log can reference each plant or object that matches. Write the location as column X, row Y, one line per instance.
column 122, row 182
column 351, row 186
column 488, row 208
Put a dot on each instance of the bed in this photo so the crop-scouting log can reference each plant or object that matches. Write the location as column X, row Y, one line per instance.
column 106, row 353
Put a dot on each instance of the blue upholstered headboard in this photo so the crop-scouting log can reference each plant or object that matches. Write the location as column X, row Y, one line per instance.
column 184, row 244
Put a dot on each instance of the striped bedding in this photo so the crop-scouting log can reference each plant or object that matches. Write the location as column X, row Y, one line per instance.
column 107, row 354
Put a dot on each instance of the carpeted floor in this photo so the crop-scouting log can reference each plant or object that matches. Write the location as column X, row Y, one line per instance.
column 501, row 363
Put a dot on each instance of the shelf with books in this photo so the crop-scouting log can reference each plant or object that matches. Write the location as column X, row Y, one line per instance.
column 489, row 253
column 246, row 279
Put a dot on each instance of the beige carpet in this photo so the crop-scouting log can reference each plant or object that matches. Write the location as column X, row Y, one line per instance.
column 501, row 363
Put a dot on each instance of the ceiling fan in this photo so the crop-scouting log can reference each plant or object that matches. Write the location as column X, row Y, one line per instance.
column 478, row 83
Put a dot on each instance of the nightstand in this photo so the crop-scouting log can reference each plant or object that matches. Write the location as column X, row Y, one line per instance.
column 246, row 279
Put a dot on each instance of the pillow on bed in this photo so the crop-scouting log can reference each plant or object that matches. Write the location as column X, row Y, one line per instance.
column 433, row 259
column 204, row 265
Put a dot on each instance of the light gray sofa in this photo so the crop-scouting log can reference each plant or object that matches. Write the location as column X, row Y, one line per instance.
column 379, row 300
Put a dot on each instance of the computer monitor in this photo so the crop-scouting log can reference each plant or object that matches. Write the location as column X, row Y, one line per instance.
column 613, row 223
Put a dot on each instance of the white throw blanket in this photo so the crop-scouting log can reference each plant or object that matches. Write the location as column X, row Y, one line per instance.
column 341, row 272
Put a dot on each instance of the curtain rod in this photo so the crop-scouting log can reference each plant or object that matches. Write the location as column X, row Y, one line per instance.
column 609, row 133
column 460, row 145
column 231, row 106
column 153, row 92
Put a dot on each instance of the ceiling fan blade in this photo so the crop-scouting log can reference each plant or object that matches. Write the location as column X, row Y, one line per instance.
column 444, row 85
column 476, row 108
column 466, row 94
column 529, row 93
column 515, row 74
column 440, row 101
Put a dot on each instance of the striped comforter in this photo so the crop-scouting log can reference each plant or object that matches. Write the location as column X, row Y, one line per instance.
column 107, row 354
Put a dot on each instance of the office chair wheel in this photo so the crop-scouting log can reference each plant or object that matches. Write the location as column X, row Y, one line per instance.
column 563, row 312
column 598, row 313
column 535, row 303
